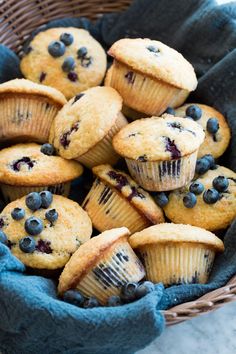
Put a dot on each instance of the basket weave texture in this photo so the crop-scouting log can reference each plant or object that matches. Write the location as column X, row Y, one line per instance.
column 18, row 18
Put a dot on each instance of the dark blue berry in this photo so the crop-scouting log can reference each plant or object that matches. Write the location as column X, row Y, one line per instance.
column 18, row 213
column 189, row 200
column 170, row 110
column 194, row 112
column 56, row 49
column 33, row 201
column 27, row 244
column 73, row 297
column 114, row 301
column 221, row 183
column 161, row 199
column 128, row 292
column 153, row 49
column 90, row 303
column 72, row 76
column 33, row 226
column 211, row 160
column 68, row 64
column 46, row 199
column 3, row 237
column 144, row 288
column 47, row 149
column 82, row 52
column 212, row 125
column 51, row 215
column 211, row 196
column 66, row 38
column 196, row 187
column 202, row 166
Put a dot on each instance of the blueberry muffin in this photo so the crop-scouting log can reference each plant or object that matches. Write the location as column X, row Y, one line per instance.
column 84, row 128
column 176, row 254
column 209, row 201
column 217, row 131
column 150, row 75
column 31, row 167
column 102, row 266
column 160, row 152
column 69, row 59
column 27, row 111
column 115, row 200
column 44, row 230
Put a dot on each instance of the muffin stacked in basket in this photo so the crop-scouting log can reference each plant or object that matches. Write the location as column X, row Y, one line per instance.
column 168, row 168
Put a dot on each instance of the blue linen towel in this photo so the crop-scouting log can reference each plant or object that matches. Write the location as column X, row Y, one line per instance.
column 32, row 318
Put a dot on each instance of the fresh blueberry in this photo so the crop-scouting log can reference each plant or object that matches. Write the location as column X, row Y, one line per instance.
column 114, row 301
column 211, row 196
column 56, row 49
column 33, row 201
column 51, row 215
column 128, row 292
column 66, row 38
column 189, row 200
column 33, row 226
column 18, row 213
column 3, row 237
column 73, row 297
column 27, row 244
column 211, row 160
column 161, row 199
column 90, row 303
column 47, row 149
column 221, row 183
column 46, row 198
column 170, row 110
column 144, row 288
column 194, row 112
column 68, row 64
column 202, row 166
column 196, row 187
column 82, row 52
column 212, row 125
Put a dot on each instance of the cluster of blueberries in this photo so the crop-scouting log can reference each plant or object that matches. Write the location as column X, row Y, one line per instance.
column 129, row 292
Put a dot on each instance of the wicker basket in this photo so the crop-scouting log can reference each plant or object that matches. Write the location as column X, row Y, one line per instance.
column 18, row 19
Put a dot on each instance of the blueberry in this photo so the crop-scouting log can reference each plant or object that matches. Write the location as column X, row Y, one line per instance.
column 196, row 187
column 194, row 112
column 82, row 52
column 33, row 226
column 56, row 49
column 72, row 76
column 66, row 38
column 202, row 166
column 170, row 110
column 3, row 237
column 68, row 64
column 46, row 198
column 47, row 149
column 144, row 288
column 27, row 244
column 18, row 213
column 33, row 201
column 189, row 200
column 51, row 215
column 78, row 97
column 161, row 199
column 211, row 196
column 73, row 297
column 211, row 160
column 153, row 49
column 221, row 183
column 90, row 303
column 212, row 125
column 114, row 301
column 128, row 292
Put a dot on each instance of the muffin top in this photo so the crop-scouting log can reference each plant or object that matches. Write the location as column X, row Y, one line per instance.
column 155, row 60
column 168, row 232
column 87, row 256
column 55, row 230
column 23, row 86
column 214, row 210
column 217, row 131
column 131, row 191
column 27, row 165
column 85, row 120
column 156, row 138
column 69, row 59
